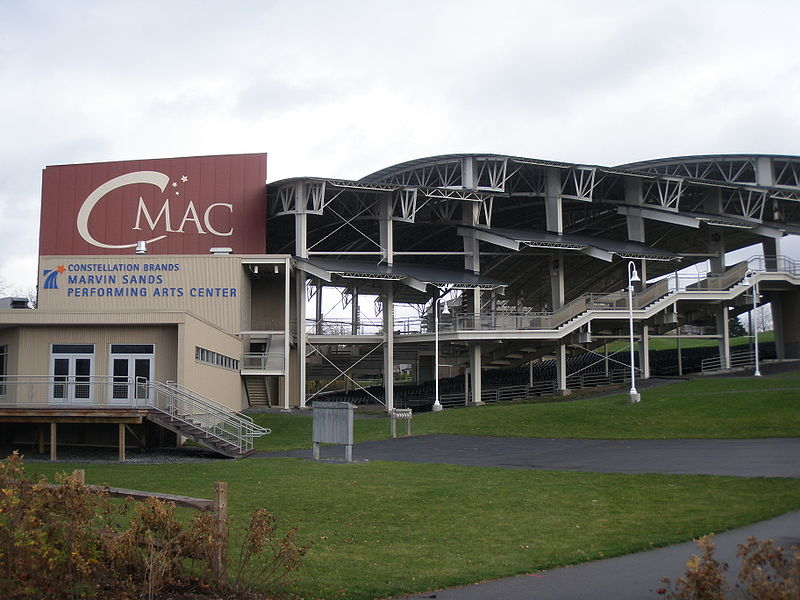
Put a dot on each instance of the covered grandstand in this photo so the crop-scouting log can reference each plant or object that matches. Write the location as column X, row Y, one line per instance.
column 529, row 262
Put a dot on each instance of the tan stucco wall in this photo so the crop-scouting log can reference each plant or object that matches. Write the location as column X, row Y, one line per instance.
column 10, row 337
column 218, row 383
column 35, row 344
column 210, row 287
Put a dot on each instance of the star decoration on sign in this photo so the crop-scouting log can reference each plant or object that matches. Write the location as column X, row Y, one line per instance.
column 184, row 179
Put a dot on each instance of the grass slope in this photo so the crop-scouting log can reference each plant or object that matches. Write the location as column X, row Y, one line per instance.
column 719, row 407
column 382, row 529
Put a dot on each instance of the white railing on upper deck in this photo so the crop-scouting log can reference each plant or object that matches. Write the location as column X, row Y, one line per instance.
column 344, row 326
column 551, row 320
column 502, row 320
column 263, row 361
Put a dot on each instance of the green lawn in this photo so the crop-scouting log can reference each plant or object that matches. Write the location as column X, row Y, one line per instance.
column 719, row 407
column 381, row 529
column 656, row 344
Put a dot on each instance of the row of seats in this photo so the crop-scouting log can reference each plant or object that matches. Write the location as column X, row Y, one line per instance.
column 663, row 363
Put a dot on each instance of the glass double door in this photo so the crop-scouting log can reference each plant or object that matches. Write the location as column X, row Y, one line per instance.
column 131, row 368
column 72, row 374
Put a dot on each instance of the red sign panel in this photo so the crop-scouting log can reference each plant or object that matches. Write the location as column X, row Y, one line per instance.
column 175, row 205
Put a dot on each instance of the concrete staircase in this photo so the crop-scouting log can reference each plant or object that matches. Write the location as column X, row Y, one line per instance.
column 256, row 388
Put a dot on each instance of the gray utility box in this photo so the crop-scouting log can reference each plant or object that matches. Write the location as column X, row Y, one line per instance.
column 333, row 424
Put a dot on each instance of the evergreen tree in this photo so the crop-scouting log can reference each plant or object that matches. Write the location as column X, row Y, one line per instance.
column 735, row 327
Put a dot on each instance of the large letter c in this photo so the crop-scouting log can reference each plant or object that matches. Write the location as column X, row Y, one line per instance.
column 153, row 177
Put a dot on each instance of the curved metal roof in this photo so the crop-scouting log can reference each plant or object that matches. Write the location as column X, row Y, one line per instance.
column 680, row 207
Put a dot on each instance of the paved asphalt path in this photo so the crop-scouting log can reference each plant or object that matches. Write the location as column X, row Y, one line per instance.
column 632, row 577
column 776, row 457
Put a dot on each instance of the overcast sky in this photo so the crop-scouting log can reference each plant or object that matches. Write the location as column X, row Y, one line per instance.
column 341, row 89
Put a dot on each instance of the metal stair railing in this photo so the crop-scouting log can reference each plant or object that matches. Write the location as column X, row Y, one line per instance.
column 743, row 358
column 771, row 264
column 541, row 387
column 196, row 410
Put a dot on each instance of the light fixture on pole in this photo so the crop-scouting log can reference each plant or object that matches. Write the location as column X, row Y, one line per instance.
column 633, row 277
column 437, row 405
column 752, row 279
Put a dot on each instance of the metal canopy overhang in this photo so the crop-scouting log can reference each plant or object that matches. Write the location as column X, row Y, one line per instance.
column 596, row 247
column 693, row 219
column 413, row 276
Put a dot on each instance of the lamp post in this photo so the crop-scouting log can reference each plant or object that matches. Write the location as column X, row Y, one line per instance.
column 756, row 373
column 437, row 406
column 633, row 277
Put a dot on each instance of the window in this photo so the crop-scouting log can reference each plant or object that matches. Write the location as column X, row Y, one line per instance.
column 131, row 348
column 3, row 367
column 215, row 358
column 73, row 348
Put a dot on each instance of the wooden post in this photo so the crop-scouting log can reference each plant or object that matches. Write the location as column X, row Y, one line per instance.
column 41, row 437
column 53, row 431
column 121, row 442
column 221, row 525
column 79, row 475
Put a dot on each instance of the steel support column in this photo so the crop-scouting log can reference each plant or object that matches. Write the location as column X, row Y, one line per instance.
column 554, row 212
column 388, row 347
column 561, row 370
column 475, row 371
column 772, row 250
column 287, row 303
column 724, row 341
column 301, row 250
column 644, row 352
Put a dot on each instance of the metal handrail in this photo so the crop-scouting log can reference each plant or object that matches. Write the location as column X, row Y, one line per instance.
column 743, row 358
column 199, row 411
column 177, row 401
column 263, row 361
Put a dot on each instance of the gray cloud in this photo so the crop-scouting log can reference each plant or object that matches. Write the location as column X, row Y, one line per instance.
column 345, row 88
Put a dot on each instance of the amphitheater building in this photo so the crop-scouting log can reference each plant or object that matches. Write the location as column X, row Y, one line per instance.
column 174, row 293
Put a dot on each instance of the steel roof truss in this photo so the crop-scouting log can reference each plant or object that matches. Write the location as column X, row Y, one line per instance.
column 492, row 173
column 444, row 210
column 404, row 204
column 286, row 200
column 314, row 201
column 486, row 212
column 527, row 182
column 787, row 173
column 348, row 223
column 665, row 192
column 579, row 183
column 555, row 245
column 746, row 202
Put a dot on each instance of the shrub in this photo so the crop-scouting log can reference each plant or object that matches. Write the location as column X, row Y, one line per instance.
column 67, row 541
column 767, row 572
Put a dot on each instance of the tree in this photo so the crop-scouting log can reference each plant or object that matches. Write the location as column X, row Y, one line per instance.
column 735, row 327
